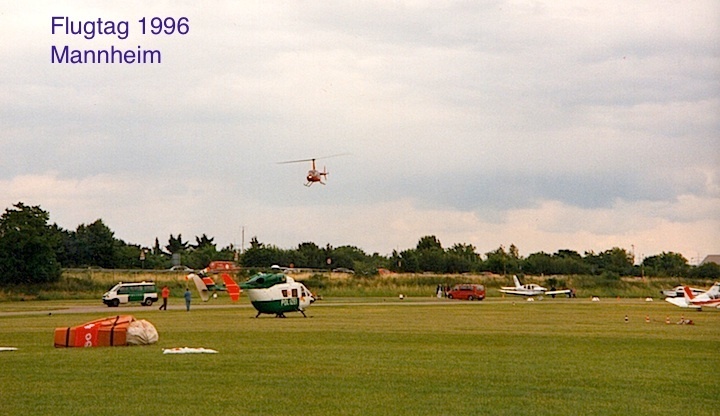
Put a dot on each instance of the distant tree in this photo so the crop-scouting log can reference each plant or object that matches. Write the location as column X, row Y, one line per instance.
column 204, row 241
column 540, row 263
column 348, row 257
column 513, row 252
column 261, row 255
column 62, row 242
column 614, row 262
column 94, row 245
column 200, row 258
column 429, row 242
column 27, row 246
column 157, row 250
column 406, row 262
column 176, row 245
column 127, row 256
column 455, row 263
column 430, row 255
column 467, row 251
column 503, row 262
column 462, row 258
column 568, row 254
column 394, row 261
column 308, row 254
column 705, row 271
column 254, row 243
column 432, row 260
column 496, row 260
column 666, row 264
column 570, row 262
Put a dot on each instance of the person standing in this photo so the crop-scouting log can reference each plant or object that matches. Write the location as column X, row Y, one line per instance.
column 188, row 298
column 165, row 295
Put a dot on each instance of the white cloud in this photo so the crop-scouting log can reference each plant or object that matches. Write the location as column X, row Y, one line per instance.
column 551, row 125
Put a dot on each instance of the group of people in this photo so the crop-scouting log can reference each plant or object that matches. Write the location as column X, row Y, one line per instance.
column 165, row 293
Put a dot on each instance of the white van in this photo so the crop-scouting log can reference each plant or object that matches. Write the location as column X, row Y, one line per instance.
column 143, row 292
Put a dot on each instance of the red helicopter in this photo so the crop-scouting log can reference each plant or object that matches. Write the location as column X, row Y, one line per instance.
column 313, row 174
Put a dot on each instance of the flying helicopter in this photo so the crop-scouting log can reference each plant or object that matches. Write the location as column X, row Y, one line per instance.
column 275, row 293
column 313, row 175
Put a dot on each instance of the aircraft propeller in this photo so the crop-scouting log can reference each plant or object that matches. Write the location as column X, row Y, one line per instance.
column 311, row 159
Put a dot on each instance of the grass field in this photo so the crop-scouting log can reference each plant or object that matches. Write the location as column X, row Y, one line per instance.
column 372, row 356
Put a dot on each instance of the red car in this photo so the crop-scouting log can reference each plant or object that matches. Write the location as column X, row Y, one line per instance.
column 467, row 292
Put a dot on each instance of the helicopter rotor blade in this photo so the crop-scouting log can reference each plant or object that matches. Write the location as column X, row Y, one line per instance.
column 312, row 159
column 295, row 161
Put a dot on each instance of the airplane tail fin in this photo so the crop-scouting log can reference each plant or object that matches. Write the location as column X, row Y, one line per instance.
column 232, row 288
column 517, row 281
column 688, row 293
column 200, row 285
column 714, row 291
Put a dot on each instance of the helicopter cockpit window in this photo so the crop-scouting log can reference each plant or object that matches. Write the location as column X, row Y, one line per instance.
column 284, row 292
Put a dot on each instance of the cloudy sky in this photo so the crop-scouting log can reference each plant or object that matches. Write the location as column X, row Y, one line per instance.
column 552, row 125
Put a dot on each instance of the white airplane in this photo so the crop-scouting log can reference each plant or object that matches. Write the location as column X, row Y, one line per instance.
column 531, row 289
column 275, row 293
column 679, row 292
column 690, row 300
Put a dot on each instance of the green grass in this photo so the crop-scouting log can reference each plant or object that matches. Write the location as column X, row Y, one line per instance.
column 373, row 356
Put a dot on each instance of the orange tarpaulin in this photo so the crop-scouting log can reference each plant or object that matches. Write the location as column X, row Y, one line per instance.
column 104, row 332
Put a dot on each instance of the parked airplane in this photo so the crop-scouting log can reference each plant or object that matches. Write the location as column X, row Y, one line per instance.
column 531, row 289
column 275, row 293
column 206, row 284
column 679, row 292
column 709, row 298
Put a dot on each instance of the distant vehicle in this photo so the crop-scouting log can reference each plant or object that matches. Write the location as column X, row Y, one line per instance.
column 343, row 270
column 181, row 269
column 711, row 298
column 679, row 292
column 467, row 292
column 143, row 292
column 221, row 266
column 531, row 289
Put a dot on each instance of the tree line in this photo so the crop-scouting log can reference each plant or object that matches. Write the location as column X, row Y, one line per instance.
column 34, row 251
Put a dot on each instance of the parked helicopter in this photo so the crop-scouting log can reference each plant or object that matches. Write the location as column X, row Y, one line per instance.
column 275, row 293
column 206, row 284
column 313, row 175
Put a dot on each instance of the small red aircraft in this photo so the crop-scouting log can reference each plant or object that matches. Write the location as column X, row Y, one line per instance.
column 313, row 174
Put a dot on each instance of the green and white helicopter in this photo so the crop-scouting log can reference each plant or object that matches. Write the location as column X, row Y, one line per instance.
column 275, row 293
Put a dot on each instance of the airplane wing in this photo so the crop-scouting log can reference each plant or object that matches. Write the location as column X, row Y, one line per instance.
column 518, row 292
column 232, row 288
column 681, row 302
column 558, row 292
